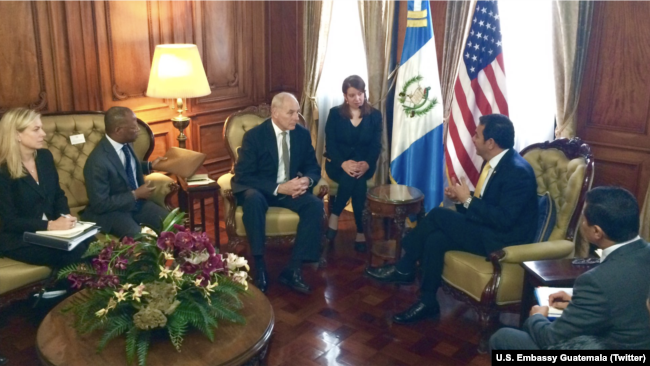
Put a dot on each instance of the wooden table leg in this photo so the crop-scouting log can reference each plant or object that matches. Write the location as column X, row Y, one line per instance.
column 216, row 219
column 202, row 202
column 400, row 218
column 367, row 220
column 190, row 204
column 527, row 298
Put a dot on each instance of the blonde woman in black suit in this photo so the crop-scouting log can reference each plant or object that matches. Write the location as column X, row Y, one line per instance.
column 30, row 196
column 353, row 144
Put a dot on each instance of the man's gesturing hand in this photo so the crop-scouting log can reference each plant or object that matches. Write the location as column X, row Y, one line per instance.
column 144, row 191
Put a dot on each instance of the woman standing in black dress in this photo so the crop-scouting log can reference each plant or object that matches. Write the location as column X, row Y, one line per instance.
column 31, row 198
column 353, row 144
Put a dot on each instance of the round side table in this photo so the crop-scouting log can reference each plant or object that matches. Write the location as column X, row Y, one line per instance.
column 57, row 343
column 390, row 201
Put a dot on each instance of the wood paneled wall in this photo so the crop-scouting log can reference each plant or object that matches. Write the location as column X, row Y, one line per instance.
column 77, row 55
column 614, row 108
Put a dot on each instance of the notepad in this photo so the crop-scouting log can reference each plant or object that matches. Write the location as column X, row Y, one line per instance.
column 79, row 228
column 60, row 243
column 543, row 292
column 200, row 182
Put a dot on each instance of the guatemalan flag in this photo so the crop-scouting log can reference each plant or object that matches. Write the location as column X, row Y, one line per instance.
column 417, row 151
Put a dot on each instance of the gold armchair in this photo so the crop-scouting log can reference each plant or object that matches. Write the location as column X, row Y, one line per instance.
column 281, row 223
column 18, row 280
column 564, row 168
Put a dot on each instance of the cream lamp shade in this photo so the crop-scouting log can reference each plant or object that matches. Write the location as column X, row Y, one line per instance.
column 177, row 72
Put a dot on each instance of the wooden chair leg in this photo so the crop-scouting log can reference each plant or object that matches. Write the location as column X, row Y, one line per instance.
column 325, row 244
column 488, row 320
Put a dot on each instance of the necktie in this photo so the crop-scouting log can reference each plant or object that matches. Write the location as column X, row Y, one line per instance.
column 285, row 155
column 481, row 180
column 129, row 168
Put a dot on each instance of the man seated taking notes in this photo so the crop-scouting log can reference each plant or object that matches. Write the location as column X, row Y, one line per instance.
column 609, row 301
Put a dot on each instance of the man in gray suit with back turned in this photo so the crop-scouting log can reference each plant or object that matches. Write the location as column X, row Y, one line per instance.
column 117, row 194
column 608, row 301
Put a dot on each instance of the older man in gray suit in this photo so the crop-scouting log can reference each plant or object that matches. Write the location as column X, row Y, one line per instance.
column 117, row 194
column 608, row 301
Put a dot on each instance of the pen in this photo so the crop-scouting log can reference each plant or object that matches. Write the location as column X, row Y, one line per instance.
column 68, row 216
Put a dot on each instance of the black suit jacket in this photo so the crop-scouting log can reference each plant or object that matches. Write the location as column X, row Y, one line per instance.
column 609, row 302
column 257, row 165
column 507, row 211
column 106, row 183
column 23, row 201
column 342, row 146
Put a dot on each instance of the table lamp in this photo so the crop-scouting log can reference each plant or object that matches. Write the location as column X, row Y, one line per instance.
column 177, row 72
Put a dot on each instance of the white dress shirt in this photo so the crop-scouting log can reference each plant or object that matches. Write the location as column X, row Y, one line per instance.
column 611, row 249
column 278, row 137
column 493, row 164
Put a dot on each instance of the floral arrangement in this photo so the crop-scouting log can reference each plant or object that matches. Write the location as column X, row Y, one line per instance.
column 171, row 282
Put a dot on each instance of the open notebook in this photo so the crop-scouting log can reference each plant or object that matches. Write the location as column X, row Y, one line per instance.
column 543, row 292
column 62, row 239
column 79, row 228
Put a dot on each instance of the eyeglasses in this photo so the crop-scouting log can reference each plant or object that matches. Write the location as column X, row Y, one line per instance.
column 585, row 261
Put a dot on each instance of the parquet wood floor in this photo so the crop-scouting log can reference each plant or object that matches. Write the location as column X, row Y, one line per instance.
column 346, row 321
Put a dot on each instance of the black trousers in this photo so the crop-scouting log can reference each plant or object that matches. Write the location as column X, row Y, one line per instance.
column 349, row 188
column 44, row 256
column 440, row 231
column 308, row 207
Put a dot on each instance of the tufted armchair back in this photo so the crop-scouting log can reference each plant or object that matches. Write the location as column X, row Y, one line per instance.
column 70, row 159
column 564, row 168
column 238, row 123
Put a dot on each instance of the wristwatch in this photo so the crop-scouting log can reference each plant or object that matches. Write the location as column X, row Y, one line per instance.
column 467, row 202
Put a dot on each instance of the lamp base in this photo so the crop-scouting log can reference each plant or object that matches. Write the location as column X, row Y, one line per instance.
column 181, row 123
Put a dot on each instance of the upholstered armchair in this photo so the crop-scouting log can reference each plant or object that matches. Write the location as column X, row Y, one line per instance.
column 18, row 280
column 564, row 168
column 281, row 223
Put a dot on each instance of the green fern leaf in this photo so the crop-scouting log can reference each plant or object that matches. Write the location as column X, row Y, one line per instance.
column 115, row 327
column 131, row 341
column 176, row 327
column 144, row 339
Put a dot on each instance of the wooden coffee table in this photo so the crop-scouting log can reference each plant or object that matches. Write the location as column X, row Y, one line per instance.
column 57, row 343
column 552, row 273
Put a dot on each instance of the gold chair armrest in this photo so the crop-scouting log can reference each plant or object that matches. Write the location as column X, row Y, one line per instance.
column 164, row 187
column 321, row 188
column 554, row 249
column 224, row 182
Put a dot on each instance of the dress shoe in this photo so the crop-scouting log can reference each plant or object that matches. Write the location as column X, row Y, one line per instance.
column 417, row 312
column 261, row 281
column 360, row 246
column 389, row 274
column 293, row 279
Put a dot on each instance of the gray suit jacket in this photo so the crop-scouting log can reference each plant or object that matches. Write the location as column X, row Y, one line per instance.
column 609, row 302
column 107, row 185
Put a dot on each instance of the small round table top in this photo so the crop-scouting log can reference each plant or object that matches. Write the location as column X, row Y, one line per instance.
column 58, row 343
column 395, row 193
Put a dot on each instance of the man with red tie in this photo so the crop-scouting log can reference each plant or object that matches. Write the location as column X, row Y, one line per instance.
column 501, row 212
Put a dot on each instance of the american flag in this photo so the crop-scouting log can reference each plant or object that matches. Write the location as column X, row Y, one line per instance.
column 480, row 89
